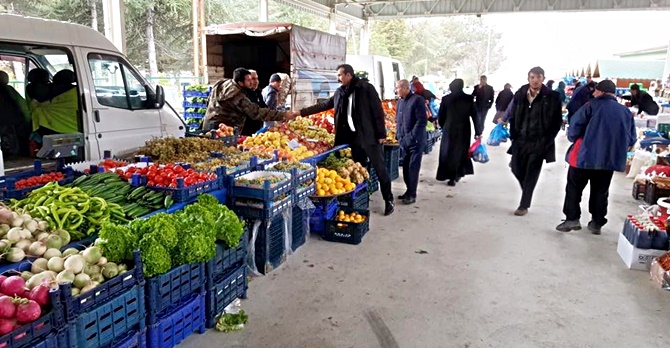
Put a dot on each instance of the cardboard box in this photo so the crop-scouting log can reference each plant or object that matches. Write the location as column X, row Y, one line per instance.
column 634, row 258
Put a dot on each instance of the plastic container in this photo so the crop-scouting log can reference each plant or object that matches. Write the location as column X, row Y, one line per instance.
column 226, row 260
column 224, row 292
column 51, row 341
column 325, row 209
column 261, row 210
column 189, row 94
column 299, row 226
column 301, row 194
column 195, row 115
column 268, row 191
column 35, row 333
column 169, row 330
column 347, row 232
column 182, row 193
column 359, row 199
column 188, row 105
column 168, row 291
column 392, row 160
column 270, row 245
column 9, row 190
column 373, row 181
column 104, row 325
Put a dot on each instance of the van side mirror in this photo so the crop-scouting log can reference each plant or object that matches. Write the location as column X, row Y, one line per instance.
column 160, row 97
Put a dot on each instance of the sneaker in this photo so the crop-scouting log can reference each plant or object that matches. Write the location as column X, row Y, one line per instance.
column 594, row 227
column 521, row 211
column 409, row 200
column 389, row 208
column 569, row 225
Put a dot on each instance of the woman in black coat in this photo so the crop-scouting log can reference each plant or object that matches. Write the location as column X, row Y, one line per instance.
column 455, row 113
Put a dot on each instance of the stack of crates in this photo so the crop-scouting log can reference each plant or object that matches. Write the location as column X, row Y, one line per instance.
column 392, row 160
column 304, row 186
column 373, row 180
column 357, row 201
column 325, row 209
column 195, row 105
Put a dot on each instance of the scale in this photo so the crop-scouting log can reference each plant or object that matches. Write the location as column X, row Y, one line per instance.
column 58, row 146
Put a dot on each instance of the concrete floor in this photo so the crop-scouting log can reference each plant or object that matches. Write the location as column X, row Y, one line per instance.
column 457, row 269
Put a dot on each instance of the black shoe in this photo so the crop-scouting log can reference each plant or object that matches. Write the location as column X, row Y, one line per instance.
column 402, row 196
column 569, row 225
column 451, row 183
column 594, row 227
column 409, row 200
column 389, row 208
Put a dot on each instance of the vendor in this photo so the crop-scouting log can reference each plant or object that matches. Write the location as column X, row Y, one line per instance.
column 58, row 114
column 14, row 126
column 644, row 102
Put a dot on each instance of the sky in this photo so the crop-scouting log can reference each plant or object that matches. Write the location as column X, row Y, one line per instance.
column 560, row 41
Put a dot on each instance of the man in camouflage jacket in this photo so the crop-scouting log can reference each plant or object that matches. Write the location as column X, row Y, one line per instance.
column 228, row 104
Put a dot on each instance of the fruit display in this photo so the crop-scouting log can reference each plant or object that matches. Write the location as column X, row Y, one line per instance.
column 389, row 107
column 23, row 236
column 346, row 168
column 20, row 305
column 38, row 180
column 70, row 209
column 329, row 183
column 307, row 129
column 258, row 179
column 220, row 132
column 287, row 166
column 322, row 120
column 135, row 201
column 167, row 175
column 353, row 217
column 187, row 150
column 268, row 142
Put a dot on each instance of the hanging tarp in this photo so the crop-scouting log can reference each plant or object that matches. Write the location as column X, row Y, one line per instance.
column 311, row 49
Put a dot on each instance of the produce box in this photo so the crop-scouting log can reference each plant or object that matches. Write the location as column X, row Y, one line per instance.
column 653, row 193
column 184, row 193
column 322, row 156
column 74, row 306
column 269, row 246
column 635, row 258
column 170, row 290
column 190, row 105
column 196, row 91
column 359, row 199
column 261, row 210
column 325, row 209
column 299, row 176
column 373, row 180
column 392, row 160
column 347, row 232
column 226, row 260
column 639, row 190
column 300, row 223
column 224, row 292
column 263, row 185
column 51, row 341
column 172, row 328
column 645, row 239
column 38, row 332
column 14, row 186
column 302, row 193
column 109, row 322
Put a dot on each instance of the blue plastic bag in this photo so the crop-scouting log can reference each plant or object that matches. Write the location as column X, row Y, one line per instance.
column 498, row 135
column 480, row 154
column 434, row 108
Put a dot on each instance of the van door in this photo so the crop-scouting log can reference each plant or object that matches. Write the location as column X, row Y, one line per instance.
column 123, row 119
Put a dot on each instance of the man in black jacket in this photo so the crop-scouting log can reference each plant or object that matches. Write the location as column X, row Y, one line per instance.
column 644, row 102
column 535, row 120
column 502, row 101
column 254, row 94
column 359, row 122
column 484, row 95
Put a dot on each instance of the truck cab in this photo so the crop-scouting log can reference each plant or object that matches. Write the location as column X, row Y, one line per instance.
column 109, row 101
column 383, row 72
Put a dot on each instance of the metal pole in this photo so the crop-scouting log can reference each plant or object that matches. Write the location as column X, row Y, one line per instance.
column 196, row 39
column 263, row 11
column 202, row 22
column 488, row 53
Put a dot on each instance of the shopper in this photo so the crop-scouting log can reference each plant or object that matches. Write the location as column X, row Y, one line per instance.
column 550, row 84
column 271, row 92
column 580, row 97
column 229, row 104
column 484, row 95
column 561, row 91
column 643, row 101
column 359, row 122
column 456, row 110
column 535, row 120
column 601, row 132
column 411, row 133
column 502, row 101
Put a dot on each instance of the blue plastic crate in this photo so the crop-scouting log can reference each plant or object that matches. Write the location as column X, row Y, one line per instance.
column 223, row 293
column 188, row 105
column 9, row 190
column 347, row 232
column 392, row 161
column 132, row 339
column 325, row 209
column 185, row 193
column 104, row 325
column 429, row 147
column 303, row 193
column 266, row 192
column 322, row 156
column 270, row 248
column 373, row 181
column 51, row 341
column 195, row 115
column 36, row 333
column 73, row 306
column 169, row 290
column 261, row 210
column 178, row 324
column 359, row 199
column 226, row 260
column 299, row 227
column 191, row 94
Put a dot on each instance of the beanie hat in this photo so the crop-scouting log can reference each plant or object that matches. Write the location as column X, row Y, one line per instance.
column 606, row 86
column 275, row 78
column 635, row 87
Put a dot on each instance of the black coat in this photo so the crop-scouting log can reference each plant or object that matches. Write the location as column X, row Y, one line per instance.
column 645, row 103
column 252, row 126
column 534, row 127
column 484, row 97
column 503, row 99
column 367, row 114
column 455, row 113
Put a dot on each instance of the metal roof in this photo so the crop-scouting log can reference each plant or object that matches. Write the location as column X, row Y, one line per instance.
column 630, row 69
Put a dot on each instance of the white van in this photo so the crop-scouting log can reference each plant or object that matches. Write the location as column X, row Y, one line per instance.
column 383, row 72
column 117, row 109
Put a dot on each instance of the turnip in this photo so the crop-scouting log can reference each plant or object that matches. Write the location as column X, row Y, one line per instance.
column 92, row 269
column 4, row 228
column 15, row 255
column 75, row 263
column 7, row 307
column 26, row 275
column 92, row 255
column 14, row 235
column 31, row 226
column 39, row 265
column 37, row 249
column 42, row 236
column 13, row 286
column 26, row 218
column 56, row 264
column 50, row 275
column 27, row 311
column 87, row 288
column 4, row 244
column 18, row 222
column 40, row 294
column 5, row 215
column 110, row 270
column 103, row 261
column 42, row 225
column 25, row 234
column 64, row 235
column 81, row 280
column 70, row 251
column 75, row 291
column 65, row 276
column 23, row 244
column 7, row 325
column 97, row 278
column 51, row 253
column 122, row 267
column 35, row 280
column 54, row 241
column 15, row 216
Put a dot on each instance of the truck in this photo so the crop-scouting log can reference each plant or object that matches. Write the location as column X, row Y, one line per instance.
column 383, row 72
column 309, row 57
column 113, row 107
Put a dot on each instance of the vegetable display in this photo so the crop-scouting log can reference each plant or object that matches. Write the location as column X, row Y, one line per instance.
column 70, row 209
column 108, row 164
column 229, row 322
column 167, row 175
column 189, row 150
column 38, row 180
column 18, row 305
column 268, row 142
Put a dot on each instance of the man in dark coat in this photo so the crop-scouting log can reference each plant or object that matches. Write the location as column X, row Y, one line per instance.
column 484, row 95
column 644, row 102
column 411, row 133
column 252, row 126
column 580, row 97
column 601, row 132
column 502, row 101
column 535, row 120
column 456, row 110
column 359, row 122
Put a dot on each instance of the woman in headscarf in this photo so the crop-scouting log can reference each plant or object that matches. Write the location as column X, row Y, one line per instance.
column 455, row 113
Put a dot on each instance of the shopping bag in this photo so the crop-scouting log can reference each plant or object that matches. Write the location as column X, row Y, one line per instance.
column 480, row 155
column 498, row 135
column 473, row 147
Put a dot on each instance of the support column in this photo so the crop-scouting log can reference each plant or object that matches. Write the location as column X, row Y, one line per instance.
column 365, row 38
column 333, row 22
column 115, row 23
column 196, row 38
column 263, row 11
column 666, row 70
